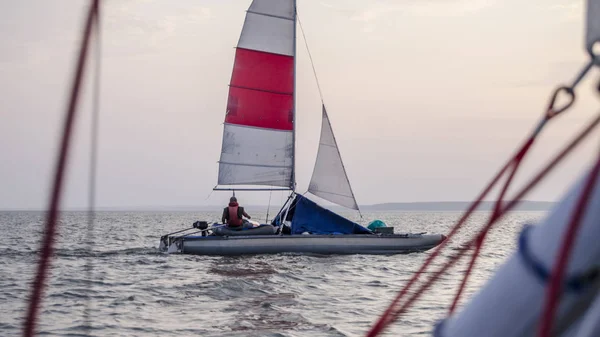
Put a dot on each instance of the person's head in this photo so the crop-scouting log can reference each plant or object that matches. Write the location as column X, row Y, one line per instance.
column 233, row 199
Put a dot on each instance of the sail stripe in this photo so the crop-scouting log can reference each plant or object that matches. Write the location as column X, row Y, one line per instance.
column 268, row 34
column 255, row 156
column 259, row 109
column 273, row 7
column 245, row 145
column 264, row 71
column 261, row 90
column 252, row 175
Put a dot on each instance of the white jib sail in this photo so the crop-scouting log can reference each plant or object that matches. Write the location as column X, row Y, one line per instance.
column 329, row 180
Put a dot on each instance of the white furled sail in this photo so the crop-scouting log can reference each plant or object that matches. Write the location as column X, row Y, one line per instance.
column 258, row 137
column 329, row 180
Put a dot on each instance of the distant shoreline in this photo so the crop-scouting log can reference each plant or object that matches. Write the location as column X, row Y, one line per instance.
column 456, row 206
column 392, row 206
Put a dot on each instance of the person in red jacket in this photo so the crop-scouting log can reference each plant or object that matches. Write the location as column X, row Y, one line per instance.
column 233, row 213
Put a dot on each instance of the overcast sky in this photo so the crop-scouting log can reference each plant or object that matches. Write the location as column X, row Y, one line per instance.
column 427, row 98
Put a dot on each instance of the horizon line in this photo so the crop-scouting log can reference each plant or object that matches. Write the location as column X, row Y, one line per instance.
column 199, row 207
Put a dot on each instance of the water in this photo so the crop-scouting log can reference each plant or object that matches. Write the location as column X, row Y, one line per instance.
column 137, row 291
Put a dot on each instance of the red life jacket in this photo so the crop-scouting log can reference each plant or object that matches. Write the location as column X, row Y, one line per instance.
column 234, row 220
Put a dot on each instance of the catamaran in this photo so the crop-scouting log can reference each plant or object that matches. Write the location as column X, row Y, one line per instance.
column 258, row 149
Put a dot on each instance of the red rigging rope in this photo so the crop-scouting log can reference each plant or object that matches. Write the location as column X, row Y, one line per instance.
column 391, row 313
column 497, row 209
column 47, row 249
column 550, row 113
column 554, row 289
column 383, row 321
column 553, row 110
column 380, row 325
column 394, row 311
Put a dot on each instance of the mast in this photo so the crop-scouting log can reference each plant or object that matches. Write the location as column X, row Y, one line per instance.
column 293, row 180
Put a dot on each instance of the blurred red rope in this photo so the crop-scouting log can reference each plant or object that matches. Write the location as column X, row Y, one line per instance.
column 392, row 312
column 38, row 285
column 497, row 209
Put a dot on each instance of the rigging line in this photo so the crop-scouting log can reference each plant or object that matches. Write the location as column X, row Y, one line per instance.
column 455, row 258
column 89, row 266
column 396, row 312
column 518, row 159
column 287, row 210
column 533, row 182
column 550, row 113
column 383, row 320
column 268, row 207
column 211, row 192
column 497, row 209
column 310, row 57
column 47, row 243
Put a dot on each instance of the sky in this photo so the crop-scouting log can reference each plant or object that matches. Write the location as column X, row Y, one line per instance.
column 427, row 98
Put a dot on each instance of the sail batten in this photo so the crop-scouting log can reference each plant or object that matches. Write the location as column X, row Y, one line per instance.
column 271, row 15
column 329, row 180
column 258, row 133
column 263, row 90
column 267, row 33
column 279, row 8
column 253, row 165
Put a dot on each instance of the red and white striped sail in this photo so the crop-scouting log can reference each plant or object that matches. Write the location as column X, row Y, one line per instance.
column 258, row 137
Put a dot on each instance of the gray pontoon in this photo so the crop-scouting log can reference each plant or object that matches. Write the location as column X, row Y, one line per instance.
column 308, row 228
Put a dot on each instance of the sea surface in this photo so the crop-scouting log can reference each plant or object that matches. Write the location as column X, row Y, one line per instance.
column 137, row 291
